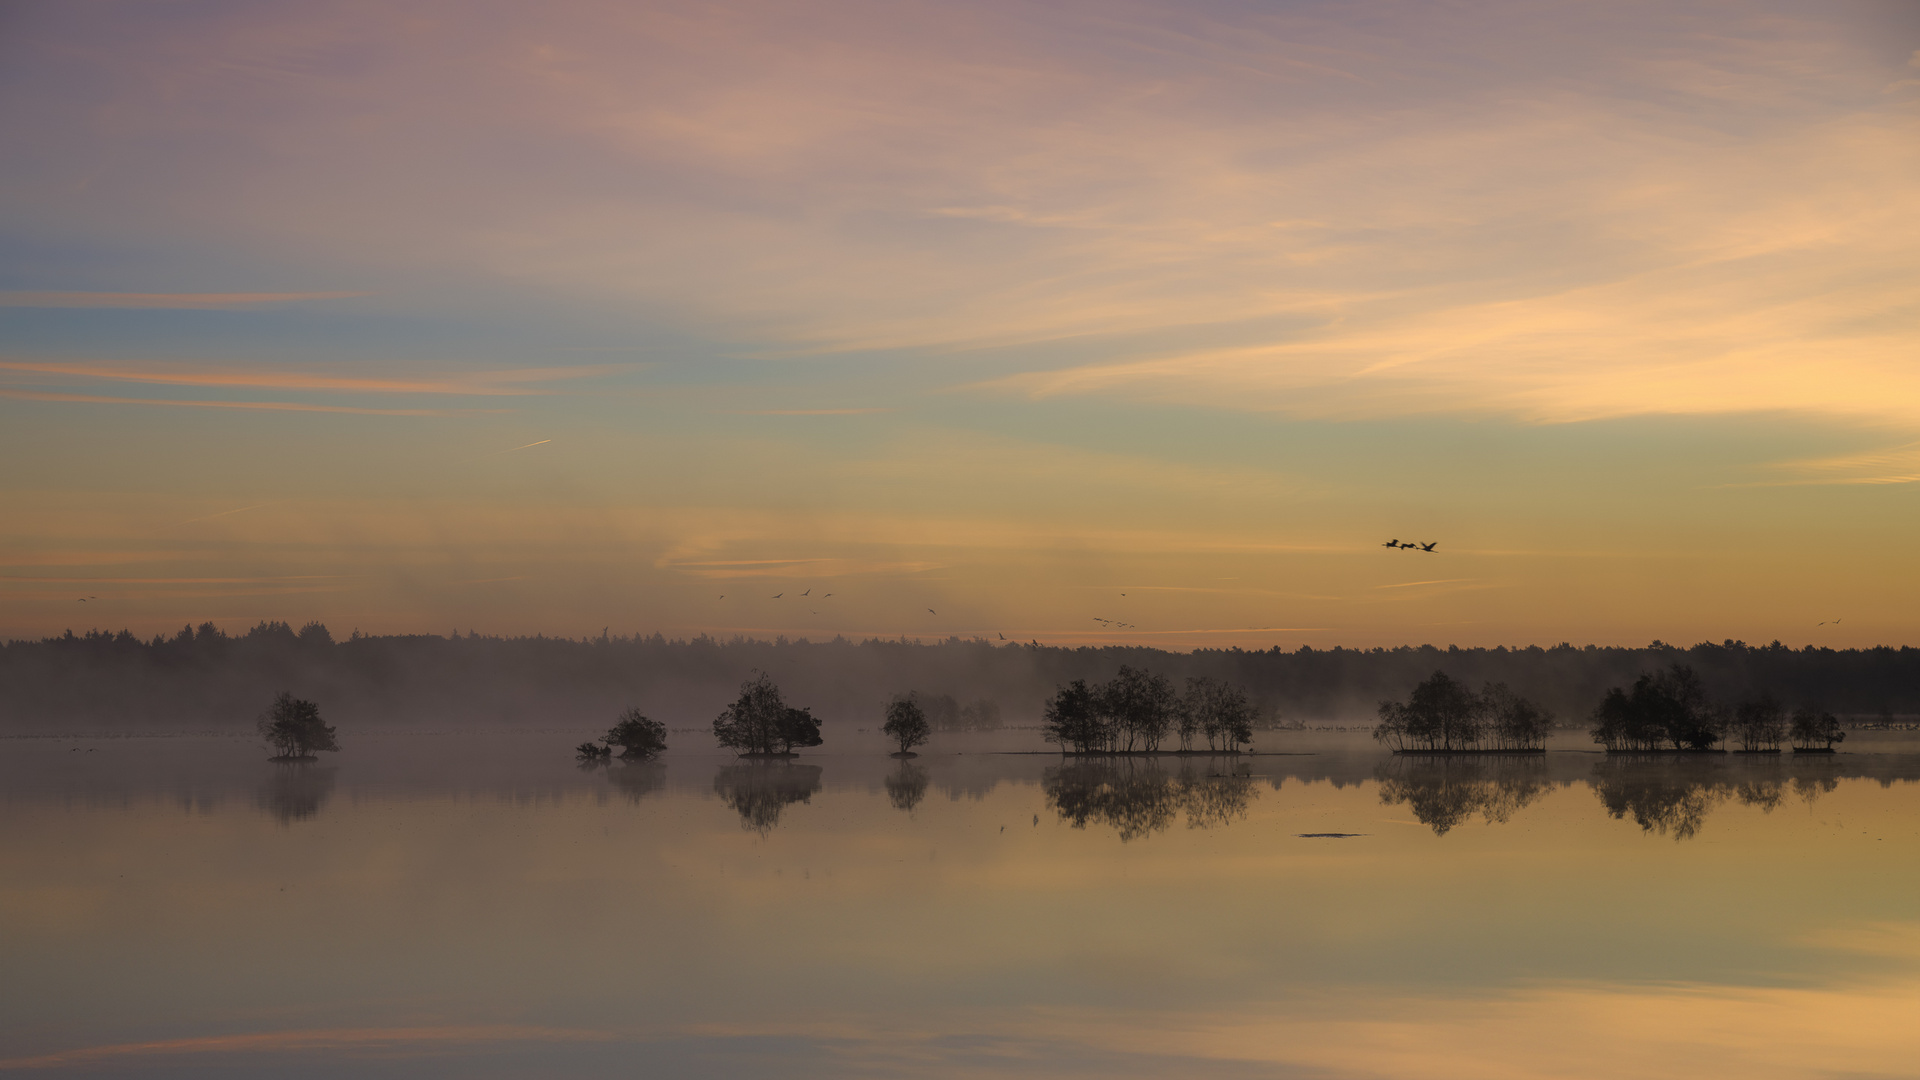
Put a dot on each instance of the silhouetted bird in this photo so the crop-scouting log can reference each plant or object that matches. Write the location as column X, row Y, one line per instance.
column 930, row 611
column 1003, row 637
column 1429, row 547
column 778, row 595
column 809, row 589
column 824, row 597
column 1393, row 543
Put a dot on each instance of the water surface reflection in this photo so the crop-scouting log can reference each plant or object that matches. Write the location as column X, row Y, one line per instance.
column 481, row 907
column 1138, row 797
column 762, row 790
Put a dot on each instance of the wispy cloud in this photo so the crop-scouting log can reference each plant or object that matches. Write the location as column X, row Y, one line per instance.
column 330, row 1039
column 809, row 412
column 270, row 406
column 1891, row 465
column 172, row 301
column 509, row 383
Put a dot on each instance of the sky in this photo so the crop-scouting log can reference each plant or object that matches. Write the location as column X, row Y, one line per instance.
column 988, row 319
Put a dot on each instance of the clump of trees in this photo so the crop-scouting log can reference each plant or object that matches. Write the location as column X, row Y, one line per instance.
column 1217, row 711
column 906, row 723
column 1136, row 710
column 1662, row 710
column 293, row 727
column 637, row 736
column 1815, row 731
column 1445, row 715
column 1669, row 710
column 1759, row 723
column 760, row 724
column 944, row 713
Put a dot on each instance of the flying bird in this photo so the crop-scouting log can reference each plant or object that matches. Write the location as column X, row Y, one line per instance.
column 778, row 595
column 1393, row 543
column 930, row 611
column 809, row 589
column 824, row 597
column 1003, row 637
column 1429, row 547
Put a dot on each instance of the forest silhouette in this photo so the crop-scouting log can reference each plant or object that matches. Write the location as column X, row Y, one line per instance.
column 204, row 678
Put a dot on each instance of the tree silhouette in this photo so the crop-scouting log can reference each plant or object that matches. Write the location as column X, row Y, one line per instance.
column 906, row 723
column 760, row 724
column 1813, row 730
column 637, row 736
column 1071, row 720
column 1667, row 707
column 1218, row 711
column 1759, row 723
column 1140, row 706
column 294, row 728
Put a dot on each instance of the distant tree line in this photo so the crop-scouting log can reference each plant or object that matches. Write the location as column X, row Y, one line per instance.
column 202, row 676
column 1136, row 711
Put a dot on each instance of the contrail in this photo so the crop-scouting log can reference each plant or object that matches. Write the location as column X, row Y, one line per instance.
column 511, row 449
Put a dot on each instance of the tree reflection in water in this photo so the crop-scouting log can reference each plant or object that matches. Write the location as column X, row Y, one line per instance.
column 295, row 791
column 1139, row 798
column 1672, row 795
column 1446, row 792
column 760, row 791
column 907, row 786
column 638, row 779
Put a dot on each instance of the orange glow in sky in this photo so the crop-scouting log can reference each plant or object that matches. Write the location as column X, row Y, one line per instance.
column 999, row 318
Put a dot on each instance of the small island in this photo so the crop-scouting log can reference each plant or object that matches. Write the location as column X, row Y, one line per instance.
column 293, row 727
column 1446, row 717
column 1133, row 713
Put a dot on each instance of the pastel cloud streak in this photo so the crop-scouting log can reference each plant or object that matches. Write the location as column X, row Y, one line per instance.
column 1555, row 213
column 909, row 229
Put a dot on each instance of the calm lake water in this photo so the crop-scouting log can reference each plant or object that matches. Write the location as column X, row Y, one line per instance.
column 478, row 906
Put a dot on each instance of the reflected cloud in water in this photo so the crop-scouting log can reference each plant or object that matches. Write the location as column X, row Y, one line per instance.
column 760, row 792
column 1138, row 798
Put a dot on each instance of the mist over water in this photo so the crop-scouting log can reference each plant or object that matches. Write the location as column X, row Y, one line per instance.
column 481, row 905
